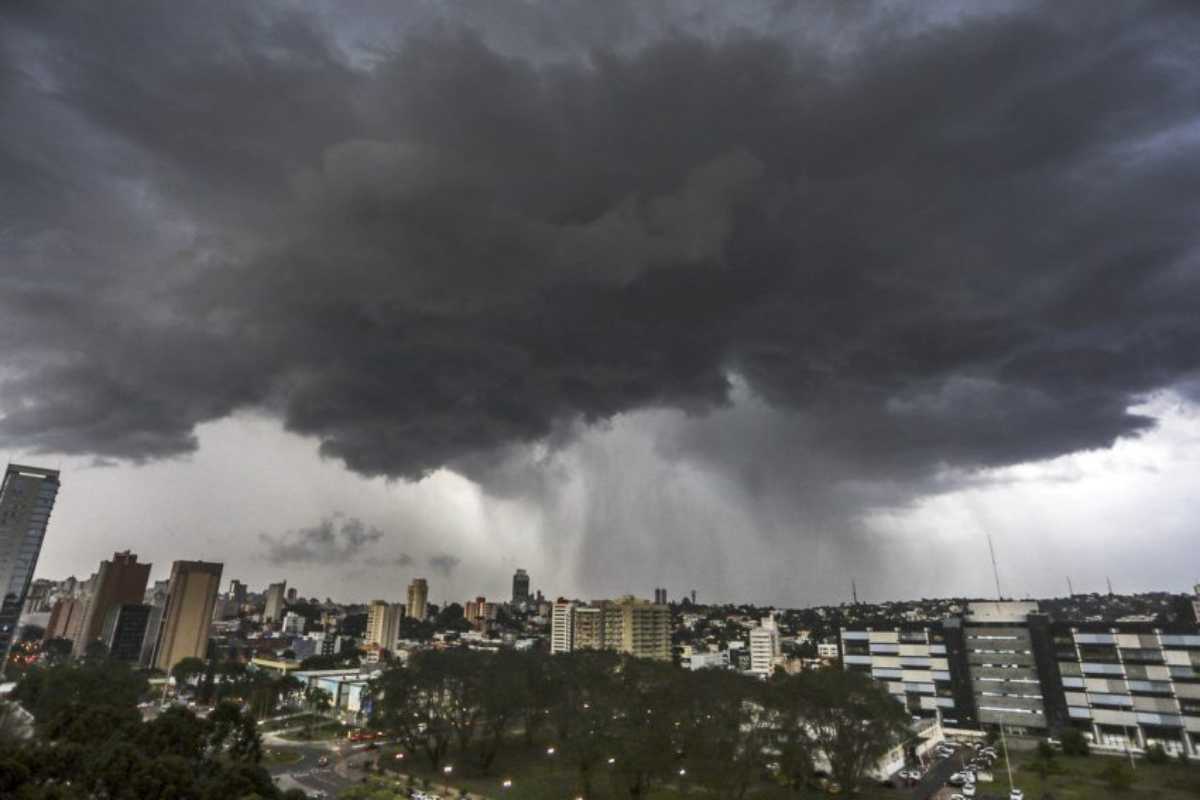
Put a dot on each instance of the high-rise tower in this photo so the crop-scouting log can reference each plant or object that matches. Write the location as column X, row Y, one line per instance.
column 520, row 588
column 183, row 632
column 26, row 500
column 418, row 596
column 121, row 581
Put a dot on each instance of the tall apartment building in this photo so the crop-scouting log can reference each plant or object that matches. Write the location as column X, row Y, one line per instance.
column 26, row 499
column 764, row 648
column 293, row 624
column 562, row 622
column 119, row 581
column 237, row 593
column 638, row 627
column 588, row 628
column 418, row 597
column 273, row 608
column 383, row 624
column 65, row 618
column 520, row 588
column 124, row 631
column 187, row 615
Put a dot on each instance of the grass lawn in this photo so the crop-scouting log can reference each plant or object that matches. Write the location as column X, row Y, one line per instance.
column 322, row 732
column 1080, row 779
column 275, row 758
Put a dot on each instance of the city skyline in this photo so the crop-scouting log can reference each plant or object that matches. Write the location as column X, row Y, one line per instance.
column 755, row 299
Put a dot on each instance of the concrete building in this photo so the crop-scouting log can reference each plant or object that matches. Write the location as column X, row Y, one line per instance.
column 237, row 593
column 27, row 497
column 520, row 588
column 562, row 621
column 183, row 632
column 638, row 627
column 418, row 597
column 292, row 595
column 912, row 663
column 828, row 651
column 273, row 608
column 119, row 582
column 383, row 624
column 124, row 631
column 293, row 624
column 628, row 625
column 66, row 618
column 588, row 628
column 1130, row 684
column 999, row 646
column 764, row 648
column 693, row 660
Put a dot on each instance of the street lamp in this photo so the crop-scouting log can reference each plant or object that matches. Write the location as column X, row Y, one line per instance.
column 507, row 784
column 448, row 769
column 549, row 751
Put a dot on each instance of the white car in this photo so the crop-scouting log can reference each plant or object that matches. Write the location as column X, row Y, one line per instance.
column 1016, row 794
column 968, row 790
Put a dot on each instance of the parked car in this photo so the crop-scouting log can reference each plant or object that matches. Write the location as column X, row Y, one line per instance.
column 968, row 790
column 1016, row 794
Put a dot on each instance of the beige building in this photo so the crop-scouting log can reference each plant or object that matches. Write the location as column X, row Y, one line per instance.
column 65, row 618
column 589, row 628
column 383, row 624
column 273, row 607
column 418, row 596
column 183, row 632
column 636, row 627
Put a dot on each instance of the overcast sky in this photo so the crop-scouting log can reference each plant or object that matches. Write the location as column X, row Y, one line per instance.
column 748, row 298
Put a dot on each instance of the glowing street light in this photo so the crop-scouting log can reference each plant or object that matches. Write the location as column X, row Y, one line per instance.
column 507, row 784
column 682, row 771
column 549, row 751
column 447, row 769
column 612, row 760
column 399, row 756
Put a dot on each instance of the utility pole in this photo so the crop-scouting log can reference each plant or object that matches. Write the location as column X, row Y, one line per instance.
column 1007, row 763
column 1108, row 580
column 853, row 592
column 995, row 569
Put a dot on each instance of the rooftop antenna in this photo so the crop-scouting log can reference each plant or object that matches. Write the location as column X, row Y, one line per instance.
column 1070, row 588
column 853, row 592
column 995, row 569
column 1109, row 582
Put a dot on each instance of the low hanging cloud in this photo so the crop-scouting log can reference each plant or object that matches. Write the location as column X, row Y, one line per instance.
column 334, row 539
column 444, row 563
column 882, row 244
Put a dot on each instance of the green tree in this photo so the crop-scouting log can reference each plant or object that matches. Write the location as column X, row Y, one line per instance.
column 1073, row 742
column 854, row 722
column 57, row 650
column 646, row 740
column 791, row 737
column 1155, row 754
column 727, row 727
column 187, row 669
column 413, row 703
column 504, row 696
column 1117, row 775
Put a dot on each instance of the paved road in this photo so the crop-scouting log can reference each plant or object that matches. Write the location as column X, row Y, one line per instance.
column 306, row 773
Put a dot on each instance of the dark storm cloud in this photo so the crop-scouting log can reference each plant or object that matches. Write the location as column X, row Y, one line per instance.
column 335, row 539
column 961, row 242
column 444, row 563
